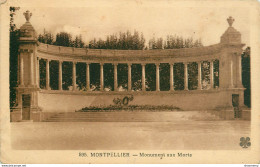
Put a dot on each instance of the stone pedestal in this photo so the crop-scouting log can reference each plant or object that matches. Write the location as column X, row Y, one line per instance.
column 16, row 114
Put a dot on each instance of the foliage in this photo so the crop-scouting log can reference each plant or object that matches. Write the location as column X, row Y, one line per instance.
column 42, row 64
column 216, row 73
column 94, row 76
column 150, row 77
column 112, row 108
column 164, row 76
column 63, row 39
column 156, row 43
column 54, row 74
column 124, row 41
column 66, row 75
column 122, row 75
column 13, row 57
column 108, row 77
column 78, row 42
column 193, row 76
column 81, row 76
column 136, row 77
column 246, row 76
column 178, row 76
column 205, row 74
column 174, row 42
column 46, row 37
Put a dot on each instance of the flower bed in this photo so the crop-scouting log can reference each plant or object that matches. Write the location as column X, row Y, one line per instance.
column 112, row 108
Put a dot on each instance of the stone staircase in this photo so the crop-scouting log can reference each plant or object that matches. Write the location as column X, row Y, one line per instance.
column 132, row 116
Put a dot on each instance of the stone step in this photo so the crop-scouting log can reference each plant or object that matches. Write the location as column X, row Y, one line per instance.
column 131, row 116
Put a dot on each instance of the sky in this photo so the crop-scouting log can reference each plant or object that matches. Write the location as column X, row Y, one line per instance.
column 97, row 19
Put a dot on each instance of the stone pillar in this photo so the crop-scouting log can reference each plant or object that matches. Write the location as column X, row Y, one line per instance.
column 199, row 76
column 228, row 63
column 28, row 77
column 47, row 74
column 115, row 77
column 21, row 70
column 171, row 77
column 231, row 74
column 129, row 77
column 38, row 72
column 19, row 100
column 186, row 76
column 60, row 75
column 101, row 77
column 31, row 68
column 143, row 77
column 239, row 73
column 87, row 77
column 157, row 76
column 211, row 74
column 74, row 76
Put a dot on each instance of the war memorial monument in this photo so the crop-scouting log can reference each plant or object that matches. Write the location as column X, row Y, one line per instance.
column 225, row 100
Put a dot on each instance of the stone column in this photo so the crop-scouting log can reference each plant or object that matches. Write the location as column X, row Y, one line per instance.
column 186, row 76
column 47, row 74
column 157, row 76
column 171, row 77
column 211, row 74
column 38, row 72
column 129, row 77
column 199, row 76
column 74, row 76
column 101, row 77
column 115, row 77
column 21, row 71
column 87, row 77
column 31, row 69
column 231, row 74
column 239, row 69
column 143, row 77
column 60, row 75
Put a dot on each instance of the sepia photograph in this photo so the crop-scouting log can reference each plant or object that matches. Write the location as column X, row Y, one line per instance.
column 129, row 81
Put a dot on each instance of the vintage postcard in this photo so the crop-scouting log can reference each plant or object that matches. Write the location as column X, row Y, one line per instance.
column 128, row 82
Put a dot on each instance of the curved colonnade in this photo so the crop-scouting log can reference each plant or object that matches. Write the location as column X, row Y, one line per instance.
column 129, row 57
column 34, row 103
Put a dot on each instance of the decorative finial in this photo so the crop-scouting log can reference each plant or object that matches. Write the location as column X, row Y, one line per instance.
column 27, row 15
column 230, row 21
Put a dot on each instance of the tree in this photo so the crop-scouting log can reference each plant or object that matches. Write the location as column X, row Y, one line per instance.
column 46, row 37
column 78, row 42
column 124, row 41
column 156, row 43
column 174, row 42
column 63, row 39
column 13, row 51
column 246, row 76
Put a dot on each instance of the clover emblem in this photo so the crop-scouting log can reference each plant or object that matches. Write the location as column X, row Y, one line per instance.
column 245, row 142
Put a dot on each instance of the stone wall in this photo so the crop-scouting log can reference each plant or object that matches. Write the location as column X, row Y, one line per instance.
column 55, row 101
